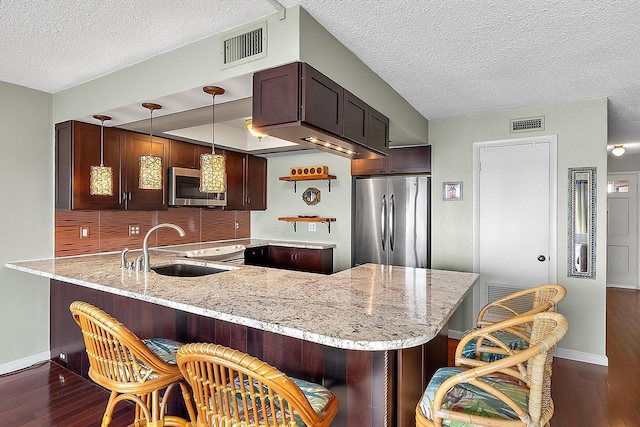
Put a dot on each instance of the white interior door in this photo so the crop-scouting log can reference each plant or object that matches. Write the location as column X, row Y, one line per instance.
column 622, row 230
column 515, row 217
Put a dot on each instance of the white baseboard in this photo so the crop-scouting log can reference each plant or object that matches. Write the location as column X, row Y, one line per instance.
column 25, row 362
column 613, row 285
column 578, row 356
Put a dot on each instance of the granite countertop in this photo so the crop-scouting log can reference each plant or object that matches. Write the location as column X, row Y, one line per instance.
column 369, row 307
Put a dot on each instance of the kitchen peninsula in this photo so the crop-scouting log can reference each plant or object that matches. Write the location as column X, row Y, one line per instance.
column 372, row 334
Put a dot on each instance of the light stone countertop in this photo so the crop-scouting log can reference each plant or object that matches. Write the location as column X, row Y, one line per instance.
column 249, row 243
column 369, row 307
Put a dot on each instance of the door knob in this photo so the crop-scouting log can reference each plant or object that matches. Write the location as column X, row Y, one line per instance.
column 541, row 258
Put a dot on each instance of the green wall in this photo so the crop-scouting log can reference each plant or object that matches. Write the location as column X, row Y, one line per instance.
column 282, row 201
column 581, row 129
column 26, row 220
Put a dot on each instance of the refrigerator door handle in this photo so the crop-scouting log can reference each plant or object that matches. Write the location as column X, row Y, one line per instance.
column 392, row 222
column 383, row 221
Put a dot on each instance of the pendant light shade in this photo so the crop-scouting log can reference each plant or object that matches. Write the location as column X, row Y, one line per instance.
column 252, row 131
column 101, row 177
column 213, row 173
column 150, row 166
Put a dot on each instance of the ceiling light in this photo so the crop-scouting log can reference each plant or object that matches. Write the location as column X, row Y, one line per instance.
column 101, row 177
column 252, row 131
column 213, row 174
column 618, row 150
column 150, row 166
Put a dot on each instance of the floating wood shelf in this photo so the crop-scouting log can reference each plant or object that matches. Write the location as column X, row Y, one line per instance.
column 295, row 179
column 296, row 219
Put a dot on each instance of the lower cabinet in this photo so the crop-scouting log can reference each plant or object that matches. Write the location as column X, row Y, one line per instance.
column 311, row 260
column 258, row 255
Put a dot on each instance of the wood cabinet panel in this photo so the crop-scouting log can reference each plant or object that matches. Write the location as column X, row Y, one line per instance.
column 275, row 96
column 400, row 160
column 256, row 183
column 378, row 131
column 301, row 259
column 77, row 149
column 356, row 119
column 184, row 155
column 322, row 101
column 258, row 255
column 236, row 163
column 138, row 144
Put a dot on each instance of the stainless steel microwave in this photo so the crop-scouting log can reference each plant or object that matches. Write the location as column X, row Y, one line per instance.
column 184, row 189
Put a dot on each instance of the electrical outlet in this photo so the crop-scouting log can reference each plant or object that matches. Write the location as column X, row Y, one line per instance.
column 312, row 226
column 63, row 357
column 134, row 230
column 84, row 232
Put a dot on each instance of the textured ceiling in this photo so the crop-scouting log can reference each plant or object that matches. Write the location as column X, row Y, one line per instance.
column 447, row 58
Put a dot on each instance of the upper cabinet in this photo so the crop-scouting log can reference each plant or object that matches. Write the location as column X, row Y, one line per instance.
column 246, row 181
column 78, row 148
column 297, row 103
column 401, row 160
column 184, row 155
column 138, row 144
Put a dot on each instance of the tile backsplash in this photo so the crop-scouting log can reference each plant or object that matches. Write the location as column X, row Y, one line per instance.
column 108, row 231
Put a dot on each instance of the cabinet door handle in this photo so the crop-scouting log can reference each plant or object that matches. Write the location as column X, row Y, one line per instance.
column 248, row 200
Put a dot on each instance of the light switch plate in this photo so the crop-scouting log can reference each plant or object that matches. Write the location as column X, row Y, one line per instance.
column 84, row 232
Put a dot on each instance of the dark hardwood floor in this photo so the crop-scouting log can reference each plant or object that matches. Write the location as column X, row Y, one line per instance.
column 584, row 395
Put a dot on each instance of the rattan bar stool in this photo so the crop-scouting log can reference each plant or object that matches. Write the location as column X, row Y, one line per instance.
column 534, row 300
column 514, row 391
column 231, row 388
column 133, row 369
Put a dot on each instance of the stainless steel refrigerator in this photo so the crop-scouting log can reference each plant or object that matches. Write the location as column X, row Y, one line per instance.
column 392, row 221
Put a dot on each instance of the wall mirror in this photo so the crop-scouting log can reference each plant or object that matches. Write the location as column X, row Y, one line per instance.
column 311, row 196
column 582, row 223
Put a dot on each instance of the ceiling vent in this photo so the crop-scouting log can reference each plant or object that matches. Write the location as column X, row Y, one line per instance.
column 244, row 46
column 528, row 124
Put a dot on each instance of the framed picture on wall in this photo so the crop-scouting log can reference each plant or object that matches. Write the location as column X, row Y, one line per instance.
column 452, row 191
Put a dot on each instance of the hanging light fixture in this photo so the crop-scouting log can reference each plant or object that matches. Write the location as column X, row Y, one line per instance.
column 150, row 166
column 101, row 177
column 252, row 131
column 213, row 175
column 618, row 150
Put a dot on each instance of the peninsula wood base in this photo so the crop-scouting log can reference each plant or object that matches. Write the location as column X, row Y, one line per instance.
column 374, row 388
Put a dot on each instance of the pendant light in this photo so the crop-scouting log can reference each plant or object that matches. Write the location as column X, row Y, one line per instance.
column 252, row 131
column 150, row 166
column 213, row 174
column 101, row 177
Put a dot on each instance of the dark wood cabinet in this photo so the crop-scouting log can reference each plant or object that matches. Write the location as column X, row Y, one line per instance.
column 77, row 149
column 356, row 118
column 184, row 155
column 400, row 161
column 246, row 181
column 295, row 101
column 322, row 101
column 138, row 144
column 301, row 259
column 258, row 255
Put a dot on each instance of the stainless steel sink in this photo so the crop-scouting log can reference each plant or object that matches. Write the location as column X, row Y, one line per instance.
column 189, row 270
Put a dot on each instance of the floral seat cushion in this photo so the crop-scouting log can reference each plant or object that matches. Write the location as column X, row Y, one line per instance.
column 514, row 342
column 317, row 395
column 472, row 400
column 164, row 348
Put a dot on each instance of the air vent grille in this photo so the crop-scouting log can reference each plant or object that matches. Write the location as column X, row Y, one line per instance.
column 520, row 305
column 239, row 48
column 528, row 124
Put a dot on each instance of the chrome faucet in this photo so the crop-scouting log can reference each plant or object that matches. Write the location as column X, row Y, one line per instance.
column 145, row 244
